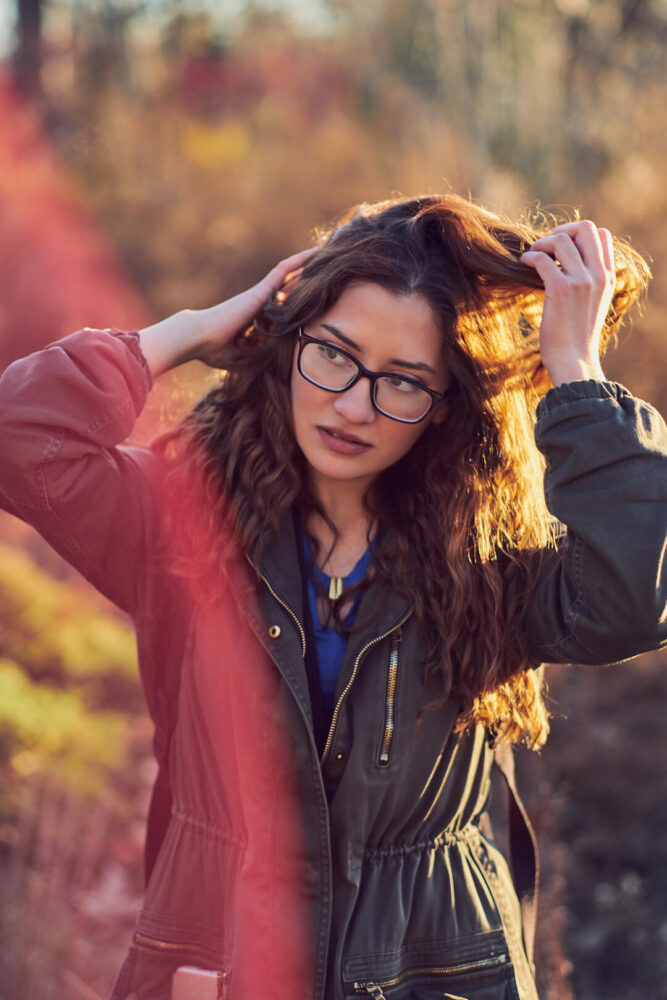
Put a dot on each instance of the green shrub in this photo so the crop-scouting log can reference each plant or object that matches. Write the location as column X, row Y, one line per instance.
column 44, row 730
column 57, row 630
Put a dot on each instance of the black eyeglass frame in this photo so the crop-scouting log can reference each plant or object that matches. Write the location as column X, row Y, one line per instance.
column 362, row 372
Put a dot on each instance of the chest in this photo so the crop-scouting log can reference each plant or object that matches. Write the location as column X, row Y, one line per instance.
column 391, row 765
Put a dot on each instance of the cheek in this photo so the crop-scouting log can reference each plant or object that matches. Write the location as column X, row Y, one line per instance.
column 306, row 399
column 405, row 439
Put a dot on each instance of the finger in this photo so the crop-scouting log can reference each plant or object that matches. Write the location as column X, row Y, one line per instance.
column 586, row 236
column 560, row 247
column 607, row 242
column 277, row 276
column 546, row 267
column 296, row 261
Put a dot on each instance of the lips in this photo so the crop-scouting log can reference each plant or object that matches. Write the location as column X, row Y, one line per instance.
column 343, row 435
column 341, row 442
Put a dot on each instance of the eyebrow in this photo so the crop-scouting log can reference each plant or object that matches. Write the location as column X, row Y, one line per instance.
column 418, row 366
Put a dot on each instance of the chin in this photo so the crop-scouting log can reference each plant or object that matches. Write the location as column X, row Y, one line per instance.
column 340, row 470
column 336, row 467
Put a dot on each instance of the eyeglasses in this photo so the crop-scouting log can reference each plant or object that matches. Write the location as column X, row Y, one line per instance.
column 398, row 397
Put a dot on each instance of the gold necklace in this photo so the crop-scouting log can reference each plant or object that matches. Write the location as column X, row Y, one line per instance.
column 335, row 587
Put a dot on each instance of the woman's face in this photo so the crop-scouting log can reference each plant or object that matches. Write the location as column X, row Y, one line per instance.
column 385, row 332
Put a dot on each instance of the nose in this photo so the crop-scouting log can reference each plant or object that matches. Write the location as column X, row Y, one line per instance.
column 355, row 405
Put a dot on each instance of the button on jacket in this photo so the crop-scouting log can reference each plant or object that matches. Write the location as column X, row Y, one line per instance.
column 363, row 871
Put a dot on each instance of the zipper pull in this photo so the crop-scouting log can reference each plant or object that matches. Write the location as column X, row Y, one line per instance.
column 372, row 989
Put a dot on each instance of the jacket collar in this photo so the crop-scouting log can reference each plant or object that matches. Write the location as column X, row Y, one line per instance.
column 381, row 610
column 279, row 565
column 380, row 607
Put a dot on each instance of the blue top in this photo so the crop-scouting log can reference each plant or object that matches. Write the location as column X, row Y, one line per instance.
column 329, row 644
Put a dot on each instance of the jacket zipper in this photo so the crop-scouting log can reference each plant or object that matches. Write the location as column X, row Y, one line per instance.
column 167, row 947
column 377, row 987
column 392, row 676
column 291, row 614
column 362, row 652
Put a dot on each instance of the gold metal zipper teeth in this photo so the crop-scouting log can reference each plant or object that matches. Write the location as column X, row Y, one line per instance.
column 392, row 677
column 291, row 614
column 360, row 654
column 171, row 946
column 441, row 970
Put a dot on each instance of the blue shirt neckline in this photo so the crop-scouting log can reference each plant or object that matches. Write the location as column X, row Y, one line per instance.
column 329, row 644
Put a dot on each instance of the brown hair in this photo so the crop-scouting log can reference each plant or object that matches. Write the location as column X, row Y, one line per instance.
column 466, row 504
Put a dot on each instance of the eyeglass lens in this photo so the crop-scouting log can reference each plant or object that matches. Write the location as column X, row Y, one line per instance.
column 331, row 369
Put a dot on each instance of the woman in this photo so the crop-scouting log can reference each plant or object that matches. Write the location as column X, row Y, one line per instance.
column 343, row 575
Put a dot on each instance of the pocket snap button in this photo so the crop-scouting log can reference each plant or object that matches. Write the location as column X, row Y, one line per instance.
column 275, row 631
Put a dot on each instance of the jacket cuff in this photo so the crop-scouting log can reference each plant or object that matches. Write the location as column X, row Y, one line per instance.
column 130, row 339
column 572, row 392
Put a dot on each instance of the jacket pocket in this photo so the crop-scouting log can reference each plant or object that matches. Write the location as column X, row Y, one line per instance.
column 478, row 976
column 150, row 966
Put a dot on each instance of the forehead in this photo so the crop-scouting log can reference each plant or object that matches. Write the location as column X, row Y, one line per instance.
column 381, row 322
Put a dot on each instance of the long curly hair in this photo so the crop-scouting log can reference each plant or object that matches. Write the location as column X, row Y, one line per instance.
column 464, row 509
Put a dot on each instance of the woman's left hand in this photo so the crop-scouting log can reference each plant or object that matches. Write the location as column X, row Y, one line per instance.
column 576, row 264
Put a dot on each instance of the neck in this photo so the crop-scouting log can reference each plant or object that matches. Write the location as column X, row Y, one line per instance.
column 344, row 503
column 344, row 506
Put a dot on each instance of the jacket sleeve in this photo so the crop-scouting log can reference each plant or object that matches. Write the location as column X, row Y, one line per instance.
column 63, row 413
column 601, row 597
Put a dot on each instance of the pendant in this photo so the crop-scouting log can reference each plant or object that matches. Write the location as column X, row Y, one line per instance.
column 335, row 587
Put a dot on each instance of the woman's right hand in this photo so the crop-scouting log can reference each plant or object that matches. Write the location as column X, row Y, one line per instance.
column 202, row 334
column 221, row 322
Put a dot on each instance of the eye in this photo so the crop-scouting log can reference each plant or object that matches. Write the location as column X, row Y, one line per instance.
column 330, row 354
column 402, row 384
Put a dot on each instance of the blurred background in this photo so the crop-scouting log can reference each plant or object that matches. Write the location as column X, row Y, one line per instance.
column 158, row 154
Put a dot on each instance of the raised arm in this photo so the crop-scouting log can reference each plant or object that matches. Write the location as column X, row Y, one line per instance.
column 64, row 413
column 603, row 596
